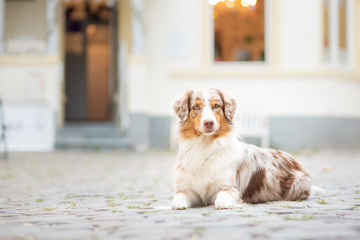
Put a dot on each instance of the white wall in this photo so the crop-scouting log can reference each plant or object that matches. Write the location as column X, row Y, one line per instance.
column 138, row 87
column 285, row 96
column 31, row 83
column 173, row 33
column 299, row 49
column 300, row 33
column 173, row 42
column 31, row 98
column 29, row 127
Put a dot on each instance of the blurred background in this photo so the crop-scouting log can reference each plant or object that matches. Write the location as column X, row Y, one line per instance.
column 104, row 74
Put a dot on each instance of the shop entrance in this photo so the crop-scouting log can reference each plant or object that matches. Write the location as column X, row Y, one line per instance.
column 90, row 61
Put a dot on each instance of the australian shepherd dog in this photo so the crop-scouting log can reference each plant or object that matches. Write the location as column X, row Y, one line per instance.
column 214, row 167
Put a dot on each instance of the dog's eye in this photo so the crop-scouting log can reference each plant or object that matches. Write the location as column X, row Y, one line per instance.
column 196, row 107
column 216, row 106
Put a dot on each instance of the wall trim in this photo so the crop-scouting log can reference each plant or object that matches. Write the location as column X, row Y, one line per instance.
column 289, row 133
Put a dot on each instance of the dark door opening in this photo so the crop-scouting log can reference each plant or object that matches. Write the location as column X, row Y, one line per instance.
column 90, row 37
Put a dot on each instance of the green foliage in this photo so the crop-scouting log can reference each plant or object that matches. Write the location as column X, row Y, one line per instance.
column 320, row 201
column 47, row 209
column 133, row 207
column 355, row 208
column 302, row 218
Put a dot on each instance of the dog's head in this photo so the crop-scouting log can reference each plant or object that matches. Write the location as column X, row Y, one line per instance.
column 207, row 112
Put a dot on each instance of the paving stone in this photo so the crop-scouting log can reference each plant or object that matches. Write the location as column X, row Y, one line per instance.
column 123, row 195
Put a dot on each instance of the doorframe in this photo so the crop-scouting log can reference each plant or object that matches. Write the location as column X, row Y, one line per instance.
column 117, row 114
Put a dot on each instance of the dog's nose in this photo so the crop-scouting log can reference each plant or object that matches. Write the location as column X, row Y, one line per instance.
column 208, row 123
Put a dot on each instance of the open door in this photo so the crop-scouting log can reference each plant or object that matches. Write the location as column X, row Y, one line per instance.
column 90, row 70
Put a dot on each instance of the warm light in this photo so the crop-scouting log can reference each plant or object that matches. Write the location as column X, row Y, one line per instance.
column 230, row 3
column 215, row 14
column 213, row 2
column 244, row 3
column 247, row 3
column 91, row 29
column 252, row 2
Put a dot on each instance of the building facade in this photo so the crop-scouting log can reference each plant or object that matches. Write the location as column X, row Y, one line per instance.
column 125, row 62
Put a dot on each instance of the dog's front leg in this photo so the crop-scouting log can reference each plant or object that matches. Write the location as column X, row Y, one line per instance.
column 227, row 199
column 181, row 201
column 185, row 199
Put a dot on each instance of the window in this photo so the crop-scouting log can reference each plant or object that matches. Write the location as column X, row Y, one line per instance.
column 239, row 30
column 25, row 26
column 326, row 31
column 343, row 45
column 336, row 32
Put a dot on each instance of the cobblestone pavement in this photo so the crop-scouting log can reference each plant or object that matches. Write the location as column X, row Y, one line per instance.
column 121, row 195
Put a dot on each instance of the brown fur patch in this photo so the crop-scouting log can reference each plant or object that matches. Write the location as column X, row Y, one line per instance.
column 287, row 166
column 216, row 104
column 285, row 185
column 295, row 164
column 195, row 112
column 229, row 107
column 290, row 162
column 256, row 184
column 287, row 162
column 189, row 129
column 224, row 126
column 307, row 194
column 182, row 107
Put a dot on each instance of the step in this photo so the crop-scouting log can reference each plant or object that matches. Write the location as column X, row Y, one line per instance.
column 79, row 142
column 91, row 135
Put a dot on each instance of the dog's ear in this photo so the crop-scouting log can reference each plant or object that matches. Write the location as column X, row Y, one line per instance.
column 182, row 106
column 229, row 105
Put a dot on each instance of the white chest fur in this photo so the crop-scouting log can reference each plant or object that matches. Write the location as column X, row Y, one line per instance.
column 209, row 167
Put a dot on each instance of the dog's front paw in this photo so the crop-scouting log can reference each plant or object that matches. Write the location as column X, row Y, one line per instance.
column 180, row 202
column 224, row 201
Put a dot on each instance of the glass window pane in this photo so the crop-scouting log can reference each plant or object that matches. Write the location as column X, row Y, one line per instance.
column 239, row 31
column 343, row 52
column 326, row 32
column 25, row 26
column 25, row 19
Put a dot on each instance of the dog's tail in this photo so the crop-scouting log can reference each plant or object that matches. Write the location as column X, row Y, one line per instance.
column 317, row 191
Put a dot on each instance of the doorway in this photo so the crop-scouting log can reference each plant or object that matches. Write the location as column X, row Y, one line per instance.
column 90, row 61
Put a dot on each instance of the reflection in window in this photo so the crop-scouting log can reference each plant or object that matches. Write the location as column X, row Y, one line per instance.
column 336, row 32
column 25, row 26
column 343, row 56
column 326, row 32
column 239, row 31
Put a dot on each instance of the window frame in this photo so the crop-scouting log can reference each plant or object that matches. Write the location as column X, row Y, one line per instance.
column 2, row 25
column 51, row 40
column 334, row 48
column 240, row 64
